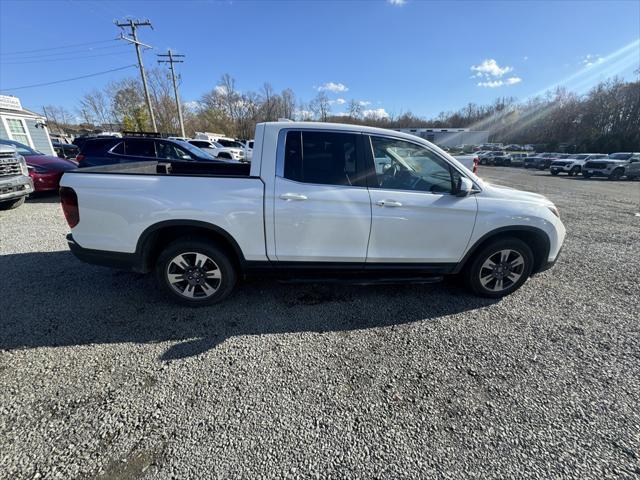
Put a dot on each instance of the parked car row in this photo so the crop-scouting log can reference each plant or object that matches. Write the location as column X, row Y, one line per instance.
column 45, row 170
column 614, row 166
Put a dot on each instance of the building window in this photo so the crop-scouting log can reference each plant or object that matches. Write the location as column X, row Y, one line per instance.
column 17, row 130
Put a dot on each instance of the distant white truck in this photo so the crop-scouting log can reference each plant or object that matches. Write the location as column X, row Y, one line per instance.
column 221, row 149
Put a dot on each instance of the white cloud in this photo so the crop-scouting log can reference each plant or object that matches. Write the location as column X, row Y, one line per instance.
column 364, row 103
column 377, row 113
column 193, row 105
column 340, row 101
column 332, row 87
column 525, row 58
column 221, row 89
column 397, row 3
column 341, row 114
column 500, row 83
column 490, row 68
column 590, row 60
column 302, row 114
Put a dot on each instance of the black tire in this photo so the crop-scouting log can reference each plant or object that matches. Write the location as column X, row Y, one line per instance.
column 477, row 269
column 616, row 174
column 224, row 155
column 217, row 261
column 575, row 171
column 554, row 172
column 586, row 175
column 11, row 204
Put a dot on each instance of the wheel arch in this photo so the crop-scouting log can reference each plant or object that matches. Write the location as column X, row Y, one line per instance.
column 534, row 237
column 159, row 235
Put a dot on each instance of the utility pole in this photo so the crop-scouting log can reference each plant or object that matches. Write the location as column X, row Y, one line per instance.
column 172, row 56
column 133, row 25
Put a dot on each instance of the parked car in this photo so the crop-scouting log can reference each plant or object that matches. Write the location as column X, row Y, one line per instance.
column 15, row 183
column 109, row 150
column 614, row 167
column 542, row 161
column 572, row 164
column 489, row 157
column 45, row 170
column 65, row 150
column 217, row 150
column 516, row 160
column 513, row 148
column 319, row 200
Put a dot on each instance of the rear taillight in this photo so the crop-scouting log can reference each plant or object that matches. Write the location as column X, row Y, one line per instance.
column 69, row 201
column 79, row 158
column 475, row 164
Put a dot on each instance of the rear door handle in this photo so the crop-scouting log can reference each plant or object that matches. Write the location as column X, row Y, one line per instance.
column 293, row 196
column 388, row 203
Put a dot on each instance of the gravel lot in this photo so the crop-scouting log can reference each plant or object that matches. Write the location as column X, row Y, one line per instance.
column 101, row 377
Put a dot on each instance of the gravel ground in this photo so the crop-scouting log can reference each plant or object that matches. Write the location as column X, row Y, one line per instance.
column 101, row 377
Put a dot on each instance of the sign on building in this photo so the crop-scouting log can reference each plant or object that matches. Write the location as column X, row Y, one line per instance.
column 10, row 102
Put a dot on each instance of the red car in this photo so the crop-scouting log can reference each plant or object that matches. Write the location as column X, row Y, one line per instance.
column 44, row 170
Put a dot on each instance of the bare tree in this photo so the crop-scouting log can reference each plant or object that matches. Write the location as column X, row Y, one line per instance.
column 320, row 106
column 354, row 109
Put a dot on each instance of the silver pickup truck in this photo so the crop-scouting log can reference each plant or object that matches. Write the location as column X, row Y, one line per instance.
column 15, row 182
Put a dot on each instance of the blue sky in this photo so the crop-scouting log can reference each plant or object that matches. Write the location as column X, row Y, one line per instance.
column 418, row 56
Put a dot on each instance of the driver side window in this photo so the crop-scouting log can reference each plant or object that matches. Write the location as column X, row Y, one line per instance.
column 402, row 165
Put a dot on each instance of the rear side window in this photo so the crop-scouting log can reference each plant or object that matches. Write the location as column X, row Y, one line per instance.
column 200, row 144
column 97, row 146
column 326, row 158
column 140, row 148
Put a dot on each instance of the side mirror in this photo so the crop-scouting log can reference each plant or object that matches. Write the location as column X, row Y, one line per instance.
column 464, row 187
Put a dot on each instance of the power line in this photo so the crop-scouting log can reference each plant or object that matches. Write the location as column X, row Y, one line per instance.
column 66, row 79
column 70, row 52
column 58, row 59
column 58, row 48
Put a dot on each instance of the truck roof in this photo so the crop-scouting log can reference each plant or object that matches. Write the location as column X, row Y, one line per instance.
column 343, row 126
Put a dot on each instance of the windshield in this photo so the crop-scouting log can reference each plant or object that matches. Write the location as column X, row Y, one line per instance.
column 21, row 147
column 620, row 156
column 230, row 143
column 194, row 150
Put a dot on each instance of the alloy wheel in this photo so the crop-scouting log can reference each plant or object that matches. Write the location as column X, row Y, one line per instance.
column 501, row 270
column 193, row 275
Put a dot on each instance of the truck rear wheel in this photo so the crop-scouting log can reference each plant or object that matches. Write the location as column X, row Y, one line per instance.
column 500, row 268
column 195, row 272
column 12, row 203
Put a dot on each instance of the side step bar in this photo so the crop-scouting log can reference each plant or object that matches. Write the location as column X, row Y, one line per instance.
column 365, row 281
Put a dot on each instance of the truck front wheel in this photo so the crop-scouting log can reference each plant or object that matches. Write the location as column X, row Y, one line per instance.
column 195, row 272
column 500, row 268
column 12, row 204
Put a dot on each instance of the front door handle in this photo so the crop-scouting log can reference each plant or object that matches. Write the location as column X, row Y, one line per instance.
column 388, row 203
column 293, row 196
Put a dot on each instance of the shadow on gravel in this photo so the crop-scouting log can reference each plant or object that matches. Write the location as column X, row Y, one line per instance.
column 52, row 299
column 44, row 197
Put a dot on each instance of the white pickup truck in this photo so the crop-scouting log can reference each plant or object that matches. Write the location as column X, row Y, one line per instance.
column 318, row 201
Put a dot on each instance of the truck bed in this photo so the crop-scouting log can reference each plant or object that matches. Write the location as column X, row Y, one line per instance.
column 179, row 168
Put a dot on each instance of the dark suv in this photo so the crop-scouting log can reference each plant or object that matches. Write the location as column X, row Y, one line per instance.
column 108, row 150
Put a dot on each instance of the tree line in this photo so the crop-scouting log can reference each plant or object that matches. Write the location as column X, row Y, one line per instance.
column 605, row 119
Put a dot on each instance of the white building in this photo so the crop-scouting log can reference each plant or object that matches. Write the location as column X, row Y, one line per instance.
column 449, row 137
column 23, row 126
